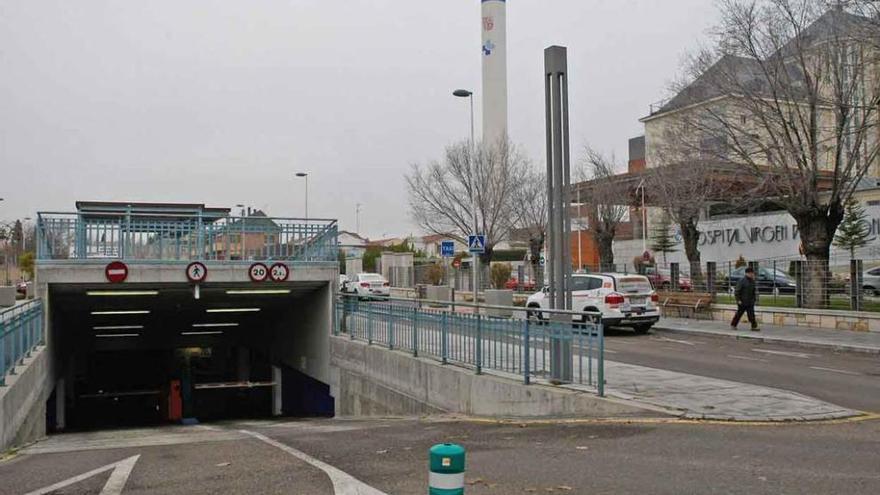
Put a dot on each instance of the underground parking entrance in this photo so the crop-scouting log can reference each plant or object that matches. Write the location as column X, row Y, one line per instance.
column 145, row 354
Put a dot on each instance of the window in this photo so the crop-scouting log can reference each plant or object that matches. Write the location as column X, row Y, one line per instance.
column 585, row 283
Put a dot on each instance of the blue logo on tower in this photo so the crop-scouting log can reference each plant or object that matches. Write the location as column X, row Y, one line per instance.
column 488, row 46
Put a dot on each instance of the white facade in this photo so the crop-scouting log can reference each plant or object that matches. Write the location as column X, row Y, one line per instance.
column 494, row 53
column 769, row 236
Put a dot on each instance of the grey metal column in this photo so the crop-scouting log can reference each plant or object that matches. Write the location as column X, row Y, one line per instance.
column 558, row 187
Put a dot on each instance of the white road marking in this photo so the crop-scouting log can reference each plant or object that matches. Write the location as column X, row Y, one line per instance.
column 685, row 342
column 834, row 370
column 609, row 351
column 115, row 484
column 343, row 483
column 119, row 476
column 800, row 355
column 745, row 358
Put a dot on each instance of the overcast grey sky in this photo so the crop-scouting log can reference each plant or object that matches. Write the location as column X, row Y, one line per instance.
column 222, row 101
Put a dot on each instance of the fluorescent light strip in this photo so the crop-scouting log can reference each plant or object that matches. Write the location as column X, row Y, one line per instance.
column 257, row 291
column 122, row 293
column 119, row 327
column 115, row 335
column 209, row 325
column 123, row 312
column 214, row 332
column 233, row 310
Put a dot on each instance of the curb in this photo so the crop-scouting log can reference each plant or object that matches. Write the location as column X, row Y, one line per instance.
column 770, row 339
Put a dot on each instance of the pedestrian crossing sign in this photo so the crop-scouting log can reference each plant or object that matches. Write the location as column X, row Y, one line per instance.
column 477, row 244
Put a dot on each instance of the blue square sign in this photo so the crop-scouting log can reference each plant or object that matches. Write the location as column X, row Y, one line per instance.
column 447, row 249
column 477, row 244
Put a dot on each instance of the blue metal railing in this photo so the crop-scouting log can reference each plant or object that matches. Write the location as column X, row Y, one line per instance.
column 177, row 237
column 21, row 330
column 514, row 345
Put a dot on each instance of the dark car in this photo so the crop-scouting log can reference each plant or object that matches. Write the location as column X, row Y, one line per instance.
column 768, row 280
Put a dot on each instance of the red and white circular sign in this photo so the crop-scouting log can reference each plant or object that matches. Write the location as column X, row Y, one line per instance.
column 258, row 272
column 279, row 272
column 116, row 272
column 196, row 272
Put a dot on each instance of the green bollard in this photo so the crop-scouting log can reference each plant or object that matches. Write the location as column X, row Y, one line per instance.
column 447, row 470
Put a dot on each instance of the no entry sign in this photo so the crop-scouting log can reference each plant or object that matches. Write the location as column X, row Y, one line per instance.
column 279, row 272
column 116, row 272
column 196, row 272
column 258, row 272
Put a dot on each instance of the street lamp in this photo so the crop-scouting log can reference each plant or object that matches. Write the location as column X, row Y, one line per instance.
column 357, row 219
column 306, row 177
column 463, row 93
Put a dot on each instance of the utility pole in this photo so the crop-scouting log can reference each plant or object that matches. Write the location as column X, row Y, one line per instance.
column 357, row 219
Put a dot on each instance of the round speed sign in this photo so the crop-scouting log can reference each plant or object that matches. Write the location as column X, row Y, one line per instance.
column 279, row 272
column 258, row 272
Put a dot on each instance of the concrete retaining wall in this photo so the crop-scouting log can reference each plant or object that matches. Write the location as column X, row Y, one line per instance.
column 369, row 380
column 23, row 401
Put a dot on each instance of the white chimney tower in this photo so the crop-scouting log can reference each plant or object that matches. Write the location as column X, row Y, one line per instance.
column 494, row 53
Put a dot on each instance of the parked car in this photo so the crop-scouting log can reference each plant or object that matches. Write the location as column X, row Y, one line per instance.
column 368, row 284
column 768, row 280
column 621, row 299
column 527, row 284
column 661, row 278
column 871, row 281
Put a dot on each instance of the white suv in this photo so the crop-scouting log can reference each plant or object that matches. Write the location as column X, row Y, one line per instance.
column 623, row 300
column 368, row 284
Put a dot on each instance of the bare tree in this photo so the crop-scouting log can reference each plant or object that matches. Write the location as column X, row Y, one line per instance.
column 529, row 205
column 440, row 192
column 605, row 200
column 790, row 93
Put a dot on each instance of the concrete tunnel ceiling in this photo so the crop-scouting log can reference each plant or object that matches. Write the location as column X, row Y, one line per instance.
column 168, row 315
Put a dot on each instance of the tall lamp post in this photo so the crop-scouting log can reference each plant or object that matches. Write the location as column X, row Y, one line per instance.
column 357, row 219
column 463, row 93
column 306, row 177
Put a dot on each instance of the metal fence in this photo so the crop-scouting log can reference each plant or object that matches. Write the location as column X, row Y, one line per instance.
column 21, row 330
column 134, row 236
column 780, row 283
column 467, row 336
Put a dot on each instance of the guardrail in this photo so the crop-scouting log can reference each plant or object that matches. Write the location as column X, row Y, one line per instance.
column 465, row 334
column 21, row 330
column 183, row 237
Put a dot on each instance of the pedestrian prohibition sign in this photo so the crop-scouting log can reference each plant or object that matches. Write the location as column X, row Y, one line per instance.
column 477, row 243
column 196, row 272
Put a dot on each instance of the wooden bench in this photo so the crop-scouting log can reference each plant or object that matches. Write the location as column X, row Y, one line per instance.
column 687, row 304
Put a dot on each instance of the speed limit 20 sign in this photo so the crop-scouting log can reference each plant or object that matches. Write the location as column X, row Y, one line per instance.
column 258, row 272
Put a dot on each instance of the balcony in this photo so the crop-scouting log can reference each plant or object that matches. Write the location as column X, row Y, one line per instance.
column 169, row 236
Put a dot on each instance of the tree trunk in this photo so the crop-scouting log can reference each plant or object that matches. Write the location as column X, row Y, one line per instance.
column 690, row 237
column 605, row 242
column 817, row 231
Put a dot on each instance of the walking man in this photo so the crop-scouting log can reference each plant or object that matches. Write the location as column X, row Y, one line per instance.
column 746, row 295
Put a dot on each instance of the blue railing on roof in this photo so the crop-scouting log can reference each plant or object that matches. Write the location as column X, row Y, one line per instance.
column 88, row 236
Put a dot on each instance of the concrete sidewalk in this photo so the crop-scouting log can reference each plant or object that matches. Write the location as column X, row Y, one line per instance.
column 842, row 340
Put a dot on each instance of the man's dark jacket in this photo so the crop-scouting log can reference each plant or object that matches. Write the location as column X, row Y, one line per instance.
column 746, row 291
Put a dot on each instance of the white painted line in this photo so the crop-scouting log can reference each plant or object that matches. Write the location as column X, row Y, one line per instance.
column 609, row 351
column 119, row 476
column 745, row 358
column 343, row 483
column 685, row 342
column 834, row 370
column 800, row 355
column 115, row 484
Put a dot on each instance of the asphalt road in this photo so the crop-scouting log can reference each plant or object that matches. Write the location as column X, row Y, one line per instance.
column 847, row 379
column 391, row 457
